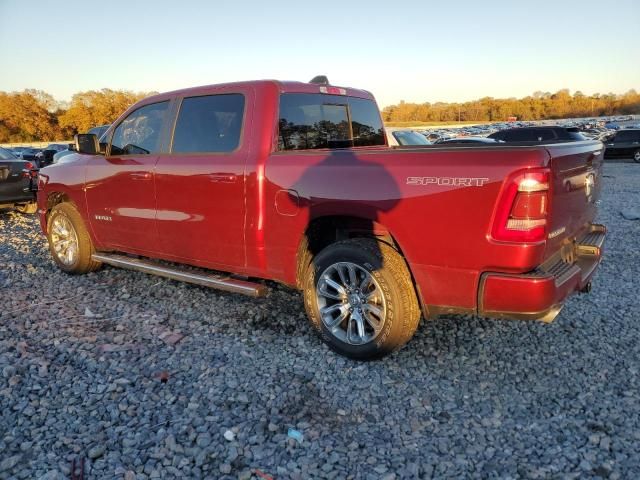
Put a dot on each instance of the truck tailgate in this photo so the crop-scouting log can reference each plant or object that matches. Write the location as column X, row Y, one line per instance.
column 576, row 171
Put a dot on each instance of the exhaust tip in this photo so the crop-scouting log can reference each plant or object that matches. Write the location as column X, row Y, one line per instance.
column 586, row 288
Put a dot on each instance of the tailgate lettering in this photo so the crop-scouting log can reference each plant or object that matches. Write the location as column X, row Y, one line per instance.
column 448, row 181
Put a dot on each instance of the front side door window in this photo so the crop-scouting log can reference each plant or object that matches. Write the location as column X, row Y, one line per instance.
column 139, row 133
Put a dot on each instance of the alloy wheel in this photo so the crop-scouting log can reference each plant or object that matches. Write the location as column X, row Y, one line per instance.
column 64, row 240
column 351, row 303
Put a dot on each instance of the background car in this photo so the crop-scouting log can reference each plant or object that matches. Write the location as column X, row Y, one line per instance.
column 539, row 134
column 16, row 178
column 45, row 157
column 99, row 131
column 625, row 144
column 17, row 151
column 59, row 155
column 468, row 141
column 406, row 137
column 30, row 154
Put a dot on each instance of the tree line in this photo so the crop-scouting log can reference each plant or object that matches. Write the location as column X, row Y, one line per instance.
column 539, row 106
column 34, row 115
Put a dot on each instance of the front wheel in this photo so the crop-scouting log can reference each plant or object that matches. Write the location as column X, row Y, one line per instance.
column 69, row 241
column 636, row 156
column 360, row 298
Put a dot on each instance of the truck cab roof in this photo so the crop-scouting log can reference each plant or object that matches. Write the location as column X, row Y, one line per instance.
column 281, row 86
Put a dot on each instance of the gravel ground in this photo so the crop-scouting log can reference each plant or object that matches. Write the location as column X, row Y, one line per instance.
column 147, row 378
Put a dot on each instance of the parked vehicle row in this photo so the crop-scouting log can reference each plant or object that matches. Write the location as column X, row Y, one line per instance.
column 618, row 141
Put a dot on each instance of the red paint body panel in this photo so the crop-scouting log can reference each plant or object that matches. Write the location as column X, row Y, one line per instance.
column 246, row 212
column 517, row 294
column 512, row 293
column 120, row 198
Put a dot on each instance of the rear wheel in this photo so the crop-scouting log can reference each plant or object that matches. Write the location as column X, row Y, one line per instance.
column 27, row 208
column 69, row 241
column 360, row 298
column 636, row 156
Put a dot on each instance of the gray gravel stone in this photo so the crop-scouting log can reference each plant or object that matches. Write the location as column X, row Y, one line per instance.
column 466, row 398
column 97, row 451
column 9, row 462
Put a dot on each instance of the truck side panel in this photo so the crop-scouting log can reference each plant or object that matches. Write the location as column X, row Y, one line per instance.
column 437, row 203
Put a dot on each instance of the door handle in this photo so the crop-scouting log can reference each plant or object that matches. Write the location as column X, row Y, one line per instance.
column 140, row 175
column 223, row 177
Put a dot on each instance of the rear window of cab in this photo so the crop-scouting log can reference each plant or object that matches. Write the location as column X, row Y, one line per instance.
column 312, row 121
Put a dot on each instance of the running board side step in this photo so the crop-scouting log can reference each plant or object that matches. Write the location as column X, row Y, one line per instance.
column 219, row 282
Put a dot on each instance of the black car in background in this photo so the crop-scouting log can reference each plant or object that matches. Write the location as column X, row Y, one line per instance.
column 538, row 134
column 16, row 181
column 30, row 154
column 625, row 144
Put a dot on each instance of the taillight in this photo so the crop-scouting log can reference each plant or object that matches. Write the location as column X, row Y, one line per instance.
column 27, row 171
column 523, row 207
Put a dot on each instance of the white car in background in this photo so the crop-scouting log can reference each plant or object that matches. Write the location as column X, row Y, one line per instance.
column 397, row 138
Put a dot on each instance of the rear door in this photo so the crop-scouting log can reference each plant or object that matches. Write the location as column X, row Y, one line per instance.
column 200, row 184
column 120, row 187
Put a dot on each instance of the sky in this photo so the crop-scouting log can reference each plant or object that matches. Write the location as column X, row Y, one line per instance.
column 416, row 51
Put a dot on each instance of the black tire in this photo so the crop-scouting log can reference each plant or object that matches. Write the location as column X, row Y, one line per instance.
column 636, row 156
column 389, row 270
column 83, row 262
column 27, row 208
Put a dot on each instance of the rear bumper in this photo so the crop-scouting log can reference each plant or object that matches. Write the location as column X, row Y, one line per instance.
column 541, row 293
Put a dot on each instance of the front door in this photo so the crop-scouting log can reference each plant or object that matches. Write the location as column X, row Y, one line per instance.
column 120, row 187
column 200, row 184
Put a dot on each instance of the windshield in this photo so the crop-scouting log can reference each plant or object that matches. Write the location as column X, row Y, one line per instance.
column 6, row 155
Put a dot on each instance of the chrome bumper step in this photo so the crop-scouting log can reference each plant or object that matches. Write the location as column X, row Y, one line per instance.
column 217, row 281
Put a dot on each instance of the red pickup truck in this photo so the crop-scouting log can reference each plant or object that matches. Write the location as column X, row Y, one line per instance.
column 295, row 183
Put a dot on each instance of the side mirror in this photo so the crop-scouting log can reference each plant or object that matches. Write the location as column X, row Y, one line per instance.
column 87, row 143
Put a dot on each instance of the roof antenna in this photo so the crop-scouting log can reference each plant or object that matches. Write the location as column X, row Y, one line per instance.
column 320, row 80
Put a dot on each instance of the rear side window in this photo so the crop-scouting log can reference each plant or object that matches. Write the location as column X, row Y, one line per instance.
column 627, row 136
column 139, row 133
column 544, row 134
column 366, row 123
column 209, row 124
column 310, row 121
column 516, row 135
